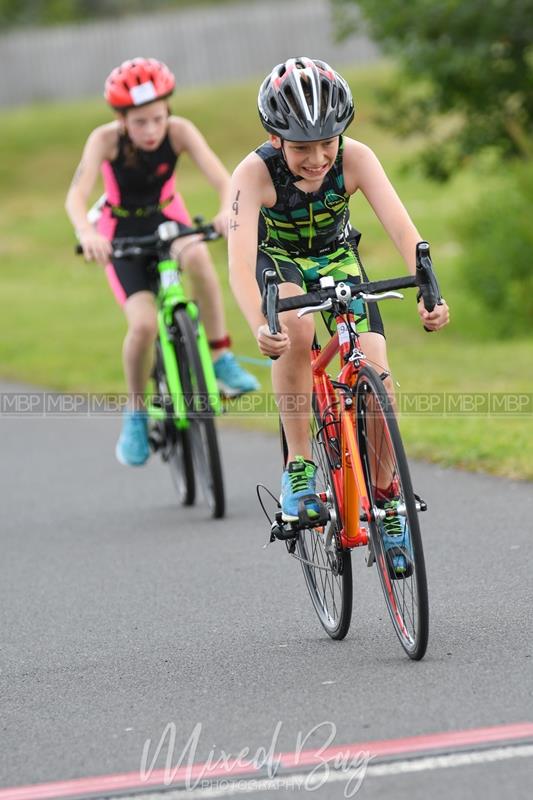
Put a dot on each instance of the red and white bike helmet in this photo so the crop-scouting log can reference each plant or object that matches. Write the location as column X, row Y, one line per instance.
column 137, row 82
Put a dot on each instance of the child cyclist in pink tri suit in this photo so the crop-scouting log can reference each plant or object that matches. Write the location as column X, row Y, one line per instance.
column 137, row 155
column 290, row 214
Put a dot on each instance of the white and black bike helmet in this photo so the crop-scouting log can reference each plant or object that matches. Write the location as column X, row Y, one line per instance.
column 305, row 100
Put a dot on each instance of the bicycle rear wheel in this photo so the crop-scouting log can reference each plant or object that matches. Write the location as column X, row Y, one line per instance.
column 327, row 568
column 385, row 464
column 202, row 429
column 173, row 443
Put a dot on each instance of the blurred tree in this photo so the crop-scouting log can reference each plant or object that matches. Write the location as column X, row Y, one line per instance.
column 468, row 61
column 497, row 237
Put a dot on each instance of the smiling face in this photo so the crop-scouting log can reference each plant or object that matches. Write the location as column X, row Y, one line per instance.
column 309, row 160
column 147, row 126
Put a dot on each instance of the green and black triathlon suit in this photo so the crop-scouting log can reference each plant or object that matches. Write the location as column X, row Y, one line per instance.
column 307, row 235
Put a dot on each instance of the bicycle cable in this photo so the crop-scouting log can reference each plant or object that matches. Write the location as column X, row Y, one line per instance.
column 260, row 499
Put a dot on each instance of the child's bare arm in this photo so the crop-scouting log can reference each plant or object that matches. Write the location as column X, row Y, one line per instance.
column 248, row 185
column 186, row 137
column 95, row 152
column 362, row 170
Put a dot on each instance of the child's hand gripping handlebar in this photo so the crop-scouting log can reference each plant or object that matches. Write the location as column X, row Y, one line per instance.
column 270, row 303
column 428, row 288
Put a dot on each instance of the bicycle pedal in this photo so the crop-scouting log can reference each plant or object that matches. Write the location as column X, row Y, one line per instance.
column 306, row 506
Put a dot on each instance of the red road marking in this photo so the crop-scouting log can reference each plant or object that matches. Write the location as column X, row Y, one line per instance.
column 105, row 784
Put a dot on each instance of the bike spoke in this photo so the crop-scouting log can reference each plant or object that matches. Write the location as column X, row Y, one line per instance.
column 328, row 574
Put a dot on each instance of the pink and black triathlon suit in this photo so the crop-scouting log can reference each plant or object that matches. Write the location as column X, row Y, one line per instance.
column 138, row 199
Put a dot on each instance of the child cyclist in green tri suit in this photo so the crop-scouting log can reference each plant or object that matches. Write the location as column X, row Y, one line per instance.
column 137, row 155
column 297, row 186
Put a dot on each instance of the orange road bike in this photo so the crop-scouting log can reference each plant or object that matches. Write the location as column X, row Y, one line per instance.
column 357, row 447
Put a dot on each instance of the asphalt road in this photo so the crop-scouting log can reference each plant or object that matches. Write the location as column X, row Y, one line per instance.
column 122, row 613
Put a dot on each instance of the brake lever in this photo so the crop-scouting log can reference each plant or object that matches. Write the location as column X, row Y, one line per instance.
column 211, row 235
column 311, row 309
column 128, row 252
column 374, row 298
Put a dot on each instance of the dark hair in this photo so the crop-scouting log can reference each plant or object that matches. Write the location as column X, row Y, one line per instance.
column 131, row 153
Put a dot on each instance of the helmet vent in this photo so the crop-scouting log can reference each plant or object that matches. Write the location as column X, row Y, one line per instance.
column 289, row 96
column 326, row 96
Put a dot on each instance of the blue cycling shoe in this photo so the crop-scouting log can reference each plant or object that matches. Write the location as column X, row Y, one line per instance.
column 298, row 480
column 132, row 448
column 232, row 379
column 396, row 540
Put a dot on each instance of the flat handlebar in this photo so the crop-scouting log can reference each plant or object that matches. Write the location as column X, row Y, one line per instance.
column 163, row 237
column 317, row 296
column 424, row 279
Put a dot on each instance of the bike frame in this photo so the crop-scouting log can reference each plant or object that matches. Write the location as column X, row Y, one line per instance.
column 349, row 480
column 171, row 295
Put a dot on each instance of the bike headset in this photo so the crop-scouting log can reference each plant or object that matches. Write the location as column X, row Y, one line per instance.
column 304, row 100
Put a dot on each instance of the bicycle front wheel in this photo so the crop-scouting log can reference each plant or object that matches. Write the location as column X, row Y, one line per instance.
column 326, row 566
column 385, row 469
column 202, row 429
column 173, row 443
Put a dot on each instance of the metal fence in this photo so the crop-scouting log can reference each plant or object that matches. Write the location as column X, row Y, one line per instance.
column 207, row 45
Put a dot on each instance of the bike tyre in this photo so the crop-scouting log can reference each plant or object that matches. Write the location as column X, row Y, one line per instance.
column 379, row 438
column 176, row 446
column 201, row 417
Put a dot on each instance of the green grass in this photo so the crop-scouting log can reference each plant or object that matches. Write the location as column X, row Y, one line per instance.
column 61, row 328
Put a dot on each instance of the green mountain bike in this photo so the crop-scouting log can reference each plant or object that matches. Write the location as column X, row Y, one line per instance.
column 184, row 400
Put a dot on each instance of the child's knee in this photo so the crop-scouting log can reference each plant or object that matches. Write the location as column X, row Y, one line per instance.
column 301, row 332
column 196, row 260
column 144, row 327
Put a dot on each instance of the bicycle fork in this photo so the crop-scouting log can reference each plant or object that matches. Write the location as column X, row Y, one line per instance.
column 167, row 332
column 170, row 365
